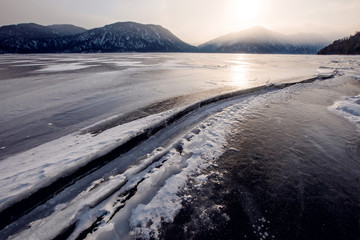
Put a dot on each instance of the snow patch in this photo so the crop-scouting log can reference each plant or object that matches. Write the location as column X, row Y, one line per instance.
column 64, row 67
column 127, row 63
column 202, row 178
column 196, row 154
column 348, row 108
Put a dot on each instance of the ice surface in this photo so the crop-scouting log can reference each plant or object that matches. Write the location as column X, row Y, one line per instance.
column 157, row 181
column 63, row 67
column 126, row 63
column 199, row 148
column 26, row 172
column 326, row 72
column 348, row 108
column 68, row 214
column 207, row 145
column 121, row 83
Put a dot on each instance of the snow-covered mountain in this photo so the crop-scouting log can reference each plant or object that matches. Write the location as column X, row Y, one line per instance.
column 262, row 40
column 135, row 37
column 117, row 37
column 127, row 37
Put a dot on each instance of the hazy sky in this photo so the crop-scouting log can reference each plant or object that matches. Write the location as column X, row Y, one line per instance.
column 194, row 21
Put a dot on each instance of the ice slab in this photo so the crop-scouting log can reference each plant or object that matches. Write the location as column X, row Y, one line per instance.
column 31, row 170
column 349, row 108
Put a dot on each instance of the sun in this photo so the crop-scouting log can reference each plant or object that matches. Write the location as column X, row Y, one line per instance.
column 244, row 10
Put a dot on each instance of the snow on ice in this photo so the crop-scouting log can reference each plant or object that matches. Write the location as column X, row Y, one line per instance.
column 26, row 172
column 348, row 108
column 64, row 67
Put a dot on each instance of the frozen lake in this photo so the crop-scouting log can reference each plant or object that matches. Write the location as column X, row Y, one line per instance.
column 180, row 146
column 43, row 97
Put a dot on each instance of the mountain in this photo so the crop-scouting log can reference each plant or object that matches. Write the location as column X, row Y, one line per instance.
column 135, row 37
column 349, row 45
column 27, row 31
column 262, row 40
column 117, row 37
column 127, row 37
column 66, row 29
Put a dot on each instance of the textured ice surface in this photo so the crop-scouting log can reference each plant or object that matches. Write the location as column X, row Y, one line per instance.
column 198, row 149
column 207, row 145
column 67, row 214
column 62, row 67
column 43, row 89
column 26, row 172
column 23, row 173
column 348, row 108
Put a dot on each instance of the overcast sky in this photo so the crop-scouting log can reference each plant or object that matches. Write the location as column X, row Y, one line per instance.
column 194, row 21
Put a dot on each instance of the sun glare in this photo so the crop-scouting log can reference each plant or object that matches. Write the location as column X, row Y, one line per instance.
column 244, row 10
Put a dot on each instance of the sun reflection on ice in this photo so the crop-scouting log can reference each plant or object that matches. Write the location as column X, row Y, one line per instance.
column 239, row 73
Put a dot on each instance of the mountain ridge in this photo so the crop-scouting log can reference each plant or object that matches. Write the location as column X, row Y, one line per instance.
column 346, row 46
column 27, row 31
column 135, row 37
column 261, row 40
column 116, row 37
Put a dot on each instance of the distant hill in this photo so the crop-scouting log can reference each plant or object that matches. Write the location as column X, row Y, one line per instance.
column 117, row 37
column 127, row 37
column 135, row 37
column 27, row 31
column 349, row 45
column 66, row 29
column 262, row 40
